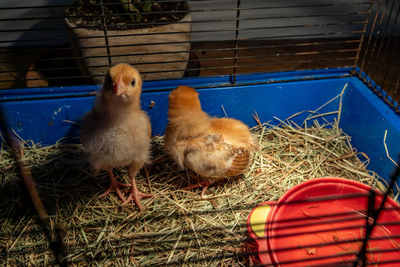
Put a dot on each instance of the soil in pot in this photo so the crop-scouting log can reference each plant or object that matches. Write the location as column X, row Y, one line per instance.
column 158, row 44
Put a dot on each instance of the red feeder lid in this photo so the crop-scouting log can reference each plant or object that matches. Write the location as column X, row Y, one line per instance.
column 320, row 232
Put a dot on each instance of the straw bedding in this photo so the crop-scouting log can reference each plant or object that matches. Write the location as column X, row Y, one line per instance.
column 176, row 227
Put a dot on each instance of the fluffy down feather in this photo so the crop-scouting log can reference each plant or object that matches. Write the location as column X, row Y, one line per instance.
column 214, row 148
column 116, row 133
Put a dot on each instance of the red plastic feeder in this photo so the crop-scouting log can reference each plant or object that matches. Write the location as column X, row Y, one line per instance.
column 317, row 233
column 322, row 222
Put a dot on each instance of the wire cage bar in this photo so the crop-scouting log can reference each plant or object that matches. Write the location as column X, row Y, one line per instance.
column 56, row 44
column 378, row 54
column 226, row 38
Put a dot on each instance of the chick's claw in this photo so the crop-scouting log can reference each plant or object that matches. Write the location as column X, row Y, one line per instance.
column 115, row 187
column 204, row 184
column 136, row 197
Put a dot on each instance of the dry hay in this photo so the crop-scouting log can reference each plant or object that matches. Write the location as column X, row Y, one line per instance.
column 176, row 226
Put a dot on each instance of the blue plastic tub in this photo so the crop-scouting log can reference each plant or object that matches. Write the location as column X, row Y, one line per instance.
column 46, row 115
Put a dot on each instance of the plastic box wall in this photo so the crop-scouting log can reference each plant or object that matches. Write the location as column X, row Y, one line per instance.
column 47, row 115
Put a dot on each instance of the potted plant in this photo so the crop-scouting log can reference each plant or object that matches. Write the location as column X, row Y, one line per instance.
column 139, row 32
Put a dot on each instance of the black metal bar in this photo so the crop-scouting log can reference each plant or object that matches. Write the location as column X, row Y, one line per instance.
column 249, row 39
column 387, row 49
column 312, row 5
column 383, row 39
column 242, row 228
column 106, row 35
column 295, row 45
column 193, row 69
column 371, row 33
column 364, row 32
column 360, row 13
column 357, row 17
column 56, row 244
column 171, row 1
column 288, row 45
column 169, row 89
column 303, row 52
column 297, row 54
column 358, row 22
column 343, row 15
column 378, row 36
column 397, row 89
column 239, row 229
column 331, row 3
column 115, row 245
column 375, row 213
column 233, row 242
column 230, row 30
column 204, row 68
column 380, row 93
column 306, row 26
column 223, row 255
column 362, row 256
column 284, row 44
column 230, row 10
column 392, row 84
column 308, row 35
column 237, row 58
column 109, row 253
column 249, row 208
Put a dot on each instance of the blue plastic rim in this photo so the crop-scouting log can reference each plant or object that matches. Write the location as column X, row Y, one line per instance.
column 46, row 115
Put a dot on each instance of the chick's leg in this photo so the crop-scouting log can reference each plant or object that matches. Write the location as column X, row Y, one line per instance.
column 114, row 186
column 204, row 184
column 135, row 194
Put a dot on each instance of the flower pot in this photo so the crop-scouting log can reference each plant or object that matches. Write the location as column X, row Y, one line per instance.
column 147, row 49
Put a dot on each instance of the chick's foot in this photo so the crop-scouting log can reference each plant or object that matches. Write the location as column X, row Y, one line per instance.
column 203, row 184
column 115, row 187
column 136, row 195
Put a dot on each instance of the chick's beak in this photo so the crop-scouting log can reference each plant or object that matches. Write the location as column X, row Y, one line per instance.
column 117, row 87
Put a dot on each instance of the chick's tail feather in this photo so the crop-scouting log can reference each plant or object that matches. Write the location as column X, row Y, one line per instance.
column 240, row 163
column 216, row 160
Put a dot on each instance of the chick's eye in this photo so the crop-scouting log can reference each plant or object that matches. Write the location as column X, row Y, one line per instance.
column 133, row 82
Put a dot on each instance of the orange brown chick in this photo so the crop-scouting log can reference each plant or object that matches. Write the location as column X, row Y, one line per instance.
column 116, row 132
column 214, row 148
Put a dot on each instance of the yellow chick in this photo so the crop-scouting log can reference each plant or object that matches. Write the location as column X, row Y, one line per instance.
column 116, row 132
column 214, row 148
